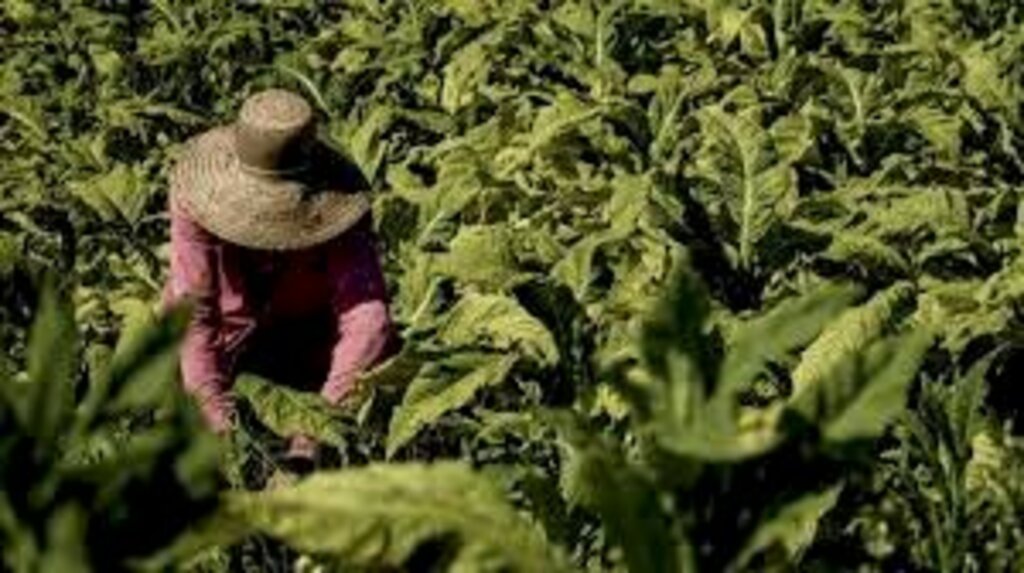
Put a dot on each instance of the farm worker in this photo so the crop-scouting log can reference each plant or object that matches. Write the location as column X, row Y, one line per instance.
column 272, row 243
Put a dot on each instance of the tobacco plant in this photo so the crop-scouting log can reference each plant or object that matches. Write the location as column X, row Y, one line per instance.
column 542, row 169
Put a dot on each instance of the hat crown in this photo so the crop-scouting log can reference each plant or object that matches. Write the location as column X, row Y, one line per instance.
column 273, row 131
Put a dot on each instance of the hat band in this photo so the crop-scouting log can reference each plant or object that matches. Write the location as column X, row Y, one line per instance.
column 251, row 170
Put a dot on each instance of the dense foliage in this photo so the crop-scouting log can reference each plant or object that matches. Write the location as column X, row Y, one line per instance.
column 824, row 196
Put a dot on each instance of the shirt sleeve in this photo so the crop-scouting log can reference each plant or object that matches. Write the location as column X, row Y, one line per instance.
column 360, row 303
column 193, row 279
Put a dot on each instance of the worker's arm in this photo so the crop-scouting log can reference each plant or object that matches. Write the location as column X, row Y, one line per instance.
column 360, row 303
column 193, row 279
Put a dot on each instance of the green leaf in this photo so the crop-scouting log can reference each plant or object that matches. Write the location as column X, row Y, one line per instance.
column 794, row 137
column 597, row 476
column 52, row 366
column 144, row 370
column 465, row 74
column 379, row 515
column 395, row 372
column 10, row 253
column 983, row 77
column 26, row 112
column 676, row 331
column 754, row 186
column 787, row 327
column 868, row 252
column 119, row 194
column 695, row 409
column 499, row 323
column 565, row 115
column 66, row 537
column 866, row 391
column 792, row 526
column 290, row 412
column 481, row 255
column 441, row 388
column 367, row 145
column 417, row 287
column 576, row 268
column 942, row 130
column 458, row 185
column 854, row 330
column 965, row 405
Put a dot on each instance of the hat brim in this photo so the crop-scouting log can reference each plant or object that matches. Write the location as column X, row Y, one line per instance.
column 267, row 211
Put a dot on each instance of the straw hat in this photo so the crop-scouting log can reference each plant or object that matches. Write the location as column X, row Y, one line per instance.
column 266, row 181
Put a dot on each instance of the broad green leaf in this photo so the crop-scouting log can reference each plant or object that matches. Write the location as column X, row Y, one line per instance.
column 865, row 392
column 853, row 331
column 901, row 213
column 119, row 194
column 290, row 412
column 628, row 203
column 137, row 319
column 792, row 526
column 367, row 144
column 379, row 515
column 465, row 74
column 576, row 268
column 596, row 475
column 144, row 369
column 637, row 284
column 983, row 77
column 142, row 374
column 395, row 372
column 500, row 323
column 754, row 187
column 458, row 184
column 551, row 123
column 787, row 327
column 482, row 255
column 698, row 416
column 965, row 406
column 676, row 331
column 941, row 129
column 417, row 286
column 794, row 137
column 672, row 90
column 579, row 17
column 26, row 113
column 987, row 462
column 52, row 366
column 868, row 252
column 441, row 388
column 10, row 253
column 725, row 21
column 66, row 539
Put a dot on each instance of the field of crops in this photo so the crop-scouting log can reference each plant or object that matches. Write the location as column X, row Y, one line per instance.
column 683, row 285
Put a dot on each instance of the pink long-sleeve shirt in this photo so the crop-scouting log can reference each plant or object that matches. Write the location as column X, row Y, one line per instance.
column 237, row 292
